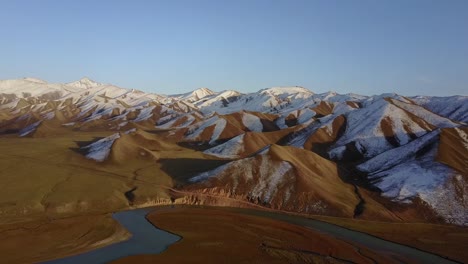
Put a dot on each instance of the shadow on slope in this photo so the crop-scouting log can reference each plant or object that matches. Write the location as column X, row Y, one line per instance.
column 80, row 144
column 183, row 169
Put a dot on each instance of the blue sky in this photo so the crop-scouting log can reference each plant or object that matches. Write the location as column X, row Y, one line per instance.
column 368, row 47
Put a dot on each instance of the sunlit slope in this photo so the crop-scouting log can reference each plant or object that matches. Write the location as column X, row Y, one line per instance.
column 87, row 146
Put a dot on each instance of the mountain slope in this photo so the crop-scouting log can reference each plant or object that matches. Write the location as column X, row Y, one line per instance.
column 386, row 157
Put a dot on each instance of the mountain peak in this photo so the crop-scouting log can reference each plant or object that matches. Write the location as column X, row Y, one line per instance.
column 35, row 80
column 194, row 95
column 278, row 90
column 86, row 79
column 202, row 92
column 85, row 83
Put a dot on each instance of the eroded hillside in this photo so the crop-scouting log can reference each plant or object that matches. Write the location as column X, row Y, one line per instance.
column 92, row 147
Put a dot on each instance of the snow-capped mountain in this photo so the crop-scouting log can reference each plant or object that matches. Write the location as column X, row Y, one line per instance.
column 84, row 83
column 284, row 147
column 194, row 95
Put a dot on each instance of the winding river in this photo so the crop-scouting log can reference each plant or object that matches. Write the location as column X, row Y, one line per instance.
column 147, row 239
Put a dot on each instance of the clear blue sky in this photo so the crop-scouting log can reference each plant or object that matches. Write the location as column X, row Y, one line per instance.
column 368, row 47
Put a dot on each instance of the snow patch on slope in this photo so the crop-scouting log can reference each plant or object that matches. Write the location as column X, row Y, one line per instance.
column 364, row 128
column 29, row 129
column 453, row 107
column 209, row 174
column 84, row 83
column 145, row 113
column 194, row 95
column 265, row 176
column 463, row 136
column 196, row 130
column 428, row 116
column 305, row 115
column 286, row 91
column 230, row 149
column 268, row 182
column 402, row 174
column 252, row 122
column 398, row 155
column 299, row 138
column 24, row 88
column 99, row 150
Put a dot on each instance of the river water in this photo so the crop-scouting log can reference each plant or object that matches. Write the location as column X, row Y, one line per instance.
column 148, row 239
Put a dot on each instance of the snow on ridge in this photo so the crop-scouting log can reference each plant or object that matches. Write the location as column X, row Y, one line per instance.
column 435, row 183
column 99, row 150
column 403, row 174
column 268, row 174
column 298, row 138
column 376, row 98
column 201, row 93
column 281, row 122
column 84, row 83
column 229, row 149
column 23, row 88
column 453, row 107
column 305, row 115
column 81, row 91
column 406, row 180
column 364, row 128
column 280, row 90
column 197, row 129
column 36, row 80
column 29, row 129
column 188, row 122
column 11, row 105
column 130, row 131
column 102, row 110
column 266, row 100
column 229, row 93
column 167, row 118
column 220, row 125
column 49, row 115
column 428, row 116
column 167, row 121
column 144, row 114
column 213, row 103
column 464, row 136
column 209, row 174
column 398, row 155
column 269, row 182
column 193, row 96
column 252, row 122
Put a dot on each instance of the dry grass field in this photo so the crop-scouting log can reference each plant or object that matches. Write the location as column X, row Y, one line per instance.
column 221, row 236
column 56, row 202
column 443, row 240
column 43, row 240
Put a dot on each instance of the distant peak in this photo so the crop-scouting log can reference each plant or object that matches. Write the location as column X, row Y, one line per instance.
column 201, row 92
column 86, row 79
column 331, row 93
column 36, row 80
column 286, row 90
column 84, row 82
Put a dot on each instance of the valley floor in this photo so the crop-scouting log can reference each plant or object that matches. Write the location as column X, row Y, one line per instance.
column 444, row 240
column 42, row 240
column 214, row 234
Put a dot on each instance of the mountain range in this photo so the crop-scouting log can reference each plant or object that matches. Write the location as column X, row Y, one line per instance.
column 383, row 157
